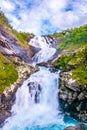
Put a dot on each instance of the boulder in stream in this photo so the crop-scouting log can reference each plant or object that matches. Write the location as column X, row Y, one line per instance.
column 35, row 90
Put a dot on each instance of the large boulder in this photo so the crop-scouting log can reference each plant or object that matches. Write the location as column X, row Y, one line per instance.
column 35, row 91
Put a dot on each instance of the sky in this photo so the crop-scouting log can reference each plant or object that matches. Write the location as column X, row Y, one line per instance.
column 42, row 17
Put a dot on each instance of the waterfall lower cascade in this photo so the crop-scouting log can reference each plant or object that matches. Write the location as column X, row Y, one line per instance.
column 37, row 106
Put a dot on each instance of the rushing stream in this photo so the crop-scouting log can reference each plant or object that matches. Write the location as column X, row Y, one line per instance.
column 37, row 106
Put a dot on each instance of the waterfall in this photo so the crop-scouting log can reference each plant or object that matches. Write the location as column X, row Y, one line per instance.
column 37, row 106
column 46, row 51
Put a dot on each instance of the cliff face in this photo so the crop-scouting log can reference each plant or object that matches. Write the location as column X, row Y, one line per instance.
column 73, row 83
column 73, row 97
column 9, row 46
column 15, row 56
column 72, row 61
column 13, row 49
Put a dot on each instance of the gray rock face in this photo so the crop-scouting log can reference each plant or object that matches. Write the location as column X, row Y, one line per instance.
column 73, row 97
column 3, row 115
column 77, row 127
column 9, row 46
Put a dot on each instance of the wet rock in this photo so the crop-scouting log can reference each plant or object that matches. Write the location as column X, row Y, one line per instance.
column 3, row 99
column 34, row 50
column 77, row 127
column 35, row 91
column 72, row 97
column 52, row 41
column 3, row 115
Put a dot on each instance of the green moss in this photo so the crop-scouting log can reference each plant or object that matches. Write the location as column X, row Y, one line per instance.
column 72, row 39
column 22, row 38
column 8, row 73
column 79, row 62
column 79, row 57
column 63, row 62
column 80, row 74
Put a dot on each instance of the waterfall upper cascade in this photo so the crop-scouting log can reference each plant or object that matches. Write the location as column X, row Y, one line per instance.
column 46, row 50
column 37, row 106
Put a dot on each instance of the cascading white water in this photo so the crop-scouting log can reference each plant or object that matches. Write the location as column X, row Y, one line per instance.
column 27, row 112
column 46, row 51
column 36, row 106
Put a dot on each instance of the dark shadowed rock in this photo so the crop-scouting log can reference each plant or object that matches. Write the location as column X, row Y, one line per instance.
column 72, row 97
column 35, row 91
column 3, row 99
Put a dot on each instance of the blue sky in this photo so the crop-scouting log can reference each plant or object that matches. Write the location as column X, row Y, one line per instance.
column 45, row 16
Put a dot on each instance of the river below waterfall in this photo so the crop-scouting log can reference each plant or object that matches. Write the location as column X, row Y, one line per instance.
column 37, row 105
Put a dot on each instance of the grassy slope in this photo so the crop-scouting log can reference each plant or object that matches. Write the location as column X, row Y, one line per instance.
column 74, row 53
column 8, row 72
column 21, row 37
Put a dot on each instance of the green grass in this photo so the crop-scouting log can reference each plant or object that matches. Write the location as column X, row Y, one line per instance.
column 79, row 63
column 73, row 56
column 62, row 62
column 8, row 73
column 72, row 39
column 3, row 21
column 21, row 37
column 80, row 74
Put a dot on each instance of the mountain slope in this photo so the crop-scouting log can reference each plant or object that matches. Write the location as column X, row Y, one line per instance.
column 72, row 61
column 13, row 48
column 73, row 54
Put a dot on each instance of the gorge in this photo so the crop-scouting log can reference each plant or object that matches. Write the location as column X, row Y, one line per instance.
column 37, row 103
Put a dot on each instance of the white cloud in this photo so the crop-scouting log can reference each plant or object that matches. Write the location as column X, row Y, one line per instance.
column 32, row 16
column 7, row 5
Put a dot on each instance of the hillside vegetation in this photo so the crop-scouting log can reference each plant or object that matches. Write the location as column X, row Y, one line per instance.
column 21, row 37
column 8, row 72
column 73, row 55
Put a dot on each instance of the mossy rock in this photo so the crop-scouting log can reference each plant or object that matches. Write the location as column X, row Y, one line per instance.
column 62, row 62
